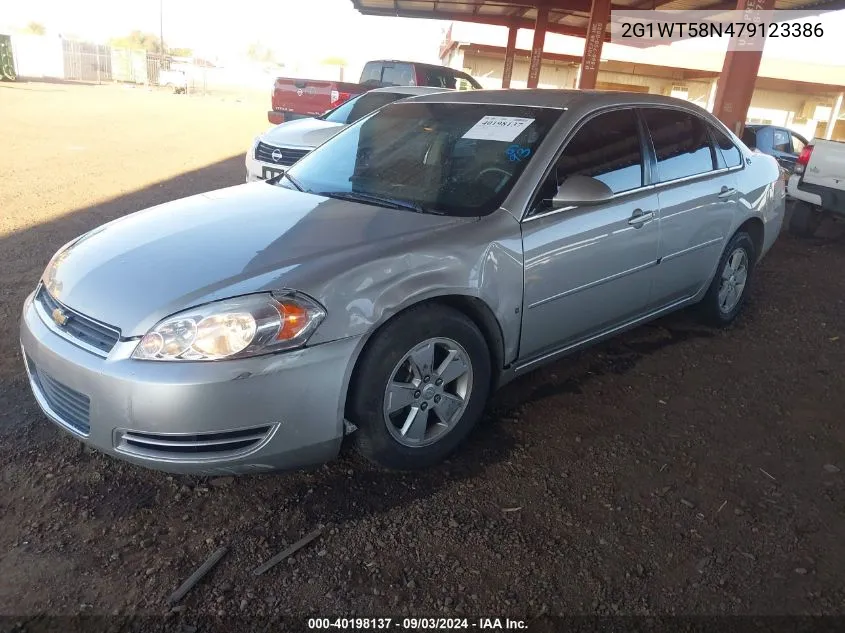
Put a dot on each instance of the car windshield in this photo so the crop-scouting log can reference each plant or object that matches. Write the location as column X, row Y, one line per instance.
column 458, row 159
column 359, row 107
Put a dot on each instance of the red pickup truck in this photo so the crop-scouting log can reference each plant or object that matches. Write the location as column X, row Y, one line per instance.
column 299, row 98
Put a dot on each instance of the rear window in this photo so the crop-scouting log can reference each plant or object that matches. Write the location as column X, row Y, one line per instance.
column 681, row 143
column 398, row 75
column 361, row 106
column 371, row 73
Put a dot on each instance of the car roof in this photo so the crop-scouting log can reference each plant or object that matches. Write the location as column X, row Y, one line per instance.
column 547, row 98
column 411, row 90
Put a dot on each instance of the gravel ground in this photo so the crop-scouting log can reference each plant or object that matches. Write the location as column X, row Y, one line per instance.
column 674, row 470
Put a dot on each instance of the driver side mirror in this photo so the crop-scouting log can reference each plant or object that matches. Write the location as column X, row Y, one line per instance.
column 581, row 190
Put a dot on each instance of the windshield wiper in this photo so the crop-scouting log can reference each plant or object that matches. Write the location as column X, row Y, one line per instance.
column 293, row 181
column 369, row 198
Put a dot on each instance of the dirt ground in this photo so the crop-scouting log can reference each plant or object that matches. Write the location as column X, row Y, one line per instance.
column 674, row 470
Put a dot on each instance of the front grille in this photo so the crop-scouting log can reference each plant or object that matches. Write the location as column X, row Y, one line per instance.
column 78, row 327
column 216, row 445
column 68, row 405
column 289, row 155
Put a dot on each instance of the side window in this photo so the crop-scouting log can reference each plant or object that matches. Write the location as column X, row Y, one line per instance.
column 437, row 78
column 606, row 148
column 781, row 141
column 797, row 144
column 727, row 154
column 681, row 143
column 362, row 106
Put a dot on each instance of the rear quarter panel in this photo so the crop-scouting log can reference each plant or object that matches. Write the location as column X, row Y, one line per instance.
column 762, row 196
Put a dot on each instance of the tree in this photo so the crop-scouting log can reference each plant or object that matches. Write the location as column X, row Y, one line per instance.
column 257, row 52
column 333, row 61
column 138, row 40
column 181, row 52
column 35, row 28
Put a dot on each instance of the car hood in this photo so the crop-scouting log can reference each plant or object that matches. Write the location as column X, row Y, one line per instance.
column 302, row 132
column 134, row 271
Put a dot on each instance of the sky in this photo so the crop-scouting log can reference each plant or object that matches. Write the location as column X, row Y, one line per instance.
column 302, row 31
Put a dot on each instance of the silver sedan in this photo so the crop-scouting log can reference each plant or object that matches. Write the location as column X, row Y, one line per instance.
column 389, row 281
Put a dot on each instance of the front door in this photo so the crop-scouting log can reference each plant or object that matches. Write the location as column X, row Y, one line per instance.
column 589, row 268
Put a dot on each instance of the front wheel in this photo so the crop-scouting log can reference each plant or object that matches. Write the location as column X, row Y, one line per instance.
column 419, row 388
column 728, row 291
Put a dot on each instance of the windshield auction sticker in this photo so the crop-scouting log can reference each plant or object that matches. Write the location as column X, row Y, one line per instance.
column 498, row 128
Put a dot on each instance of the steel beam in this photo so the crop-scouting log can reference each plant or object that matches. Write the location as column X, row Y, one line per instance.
column 599, row 17
column 510, row 53
column 739, row 74
column 537, row 47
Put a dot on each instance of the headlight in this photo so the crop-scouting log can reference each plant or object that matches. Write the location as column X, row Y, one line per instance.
column 234, row 328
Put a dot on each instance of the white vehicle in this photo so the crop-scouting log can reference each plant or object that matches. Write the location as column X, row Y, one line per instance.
column 175, row 79
column 818, row 186
column 282, row 145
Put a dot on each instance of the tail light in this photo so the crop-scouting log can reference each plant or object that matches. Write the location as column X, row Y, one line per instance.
column 338, row 97
column 803, row 159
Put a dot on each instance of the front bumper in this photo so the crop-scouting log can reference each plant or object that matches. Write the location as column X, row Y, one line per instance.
column 275, row 412
column 257, row 170
column 826, row 198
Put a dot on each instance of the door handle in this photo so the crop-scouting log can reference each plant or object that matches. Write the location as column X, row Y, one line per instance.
column 727, row 192
column 640, row 217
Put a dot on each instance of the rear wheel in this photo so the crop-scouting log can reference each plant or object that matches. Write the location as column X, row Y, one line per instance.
column 420, row 387
column 728, row 291
column 805, row 220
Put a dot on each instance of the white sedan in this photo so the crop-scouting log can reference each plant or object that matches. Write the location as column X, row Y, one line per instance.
column 282, row 145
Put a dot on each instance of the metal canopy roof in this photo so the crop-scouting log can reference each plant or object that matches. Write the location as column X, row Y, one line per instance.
column 567, row 17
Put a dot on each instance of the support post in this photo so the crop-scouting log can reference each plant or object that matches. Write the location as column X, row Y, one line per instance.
column 739, row 74
column 537, row 46
column 510, row 53
column 834, row 116
column 599, row 17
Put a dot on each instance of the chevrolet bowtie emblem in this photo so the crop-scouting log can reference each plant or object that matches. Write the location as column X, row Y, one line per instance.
column 59, row 316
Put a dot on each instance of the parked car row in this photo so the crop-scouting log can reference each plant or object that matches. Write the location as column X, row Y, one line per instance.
column 294, row 98
column 780, row 142
column 814, row 170
column 381, row 287
column 281, row 146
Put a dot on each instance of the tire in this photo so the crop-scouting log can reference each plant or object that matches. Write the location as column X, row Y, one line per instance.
column 805, row 220
column 740, row 253
column 386, row 434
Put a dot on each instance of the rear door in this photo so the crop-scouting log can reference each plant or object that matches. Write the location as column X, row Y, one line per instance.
column 590, row 268
column 697, row 192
